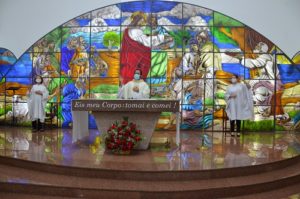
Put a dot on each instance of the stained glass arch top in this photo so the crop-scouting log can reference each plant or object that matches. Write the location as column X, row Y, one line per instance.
column 184, row 52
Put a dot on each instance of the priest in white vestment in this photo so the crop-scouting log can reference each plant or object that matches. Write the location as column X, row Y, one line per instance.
column 37, row 100
column 239, row 104
column 136, row 88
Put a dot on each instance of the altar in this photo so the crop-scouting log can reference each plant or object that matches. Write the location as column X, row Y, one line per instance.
column 145, row 113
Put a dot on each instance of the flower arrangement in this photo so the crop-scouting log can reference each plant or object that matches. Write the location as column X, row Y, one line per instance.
column 122, row 137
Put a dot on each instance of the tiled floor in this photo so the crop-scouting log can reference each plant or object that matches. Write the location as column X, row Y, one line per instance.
column 198, row 150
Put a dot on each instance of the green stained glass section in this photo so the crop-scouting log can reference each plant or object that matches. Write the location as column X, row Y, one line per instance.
column 222, row 35
column 223, row 20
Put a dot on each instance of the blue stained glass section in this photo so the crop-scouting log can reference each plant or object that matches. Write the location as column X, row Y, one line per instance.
column 26, row 81
column 3, row 69
column 83, row 22
column 113, row 22
column 289, row 73
column 174, row 20
column 2, row 50
column 156, row 80
column 97, row 40
column 159, row 6
column 22, row 68
column 144, row 6
column 206, row 18
column 237, row 69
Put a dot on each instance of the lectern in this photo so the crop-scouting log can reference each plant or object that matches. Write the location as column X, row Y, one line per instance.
column 144, row 113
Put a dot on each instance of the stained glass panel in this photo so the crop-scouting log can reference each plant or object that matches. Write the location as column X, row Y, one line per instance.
column 197, row 16
column 80, row 21
column 22, row 68
column 49, row 43
column 257, row 43
column 185, row 52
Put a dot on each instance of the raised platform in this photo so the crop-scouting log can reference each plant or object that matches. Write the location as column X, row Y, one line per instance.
column 217, row 166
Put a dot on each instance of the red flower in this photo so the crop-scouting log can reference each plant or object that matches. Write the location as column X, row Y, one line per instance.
column 124, row 123
column 110, row 146
column 122, row 136
column 130, row 144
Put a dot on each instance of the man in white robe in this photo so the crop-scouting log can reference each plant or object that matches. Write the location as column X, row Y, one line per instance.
column 37, row 100
column 239, row 104
column 135, row 89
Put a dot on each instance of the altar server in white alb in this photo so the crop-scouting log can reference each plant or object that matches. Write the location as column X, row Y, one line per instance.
column 37, row 100
column 136, row 88
column 239, row 104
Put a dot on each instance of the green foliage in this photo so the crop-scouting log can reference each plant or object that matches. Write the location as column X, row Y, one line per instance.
column 209, row 101
column 222, row 20
column 8, row 107
column 53, row 84
column 181, row 37
column 292, row 114
column 220, row 95
column 222, row 37
column 59, row 113
column 55, row 63
column 2, row 111
column 111, row 39
column 2, row 80
column 55, row 37
column 264, row 125
column 65, row 32
column 65, row 80
column 105, row 88
column 279, row 128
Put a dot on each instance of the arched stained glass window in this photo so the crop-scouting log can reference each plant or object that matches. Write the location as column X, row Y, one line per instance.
column 185, row 52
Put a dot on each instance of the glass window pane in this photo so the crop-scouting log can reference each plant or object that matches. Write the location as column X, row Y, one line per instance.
column 197, row 16
column 106, row 38
column 46, row 64
column 22, row 68
column 51, row 42
column 257, row 43
column 104, row 88
column 223, row 20
column 81, row 21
